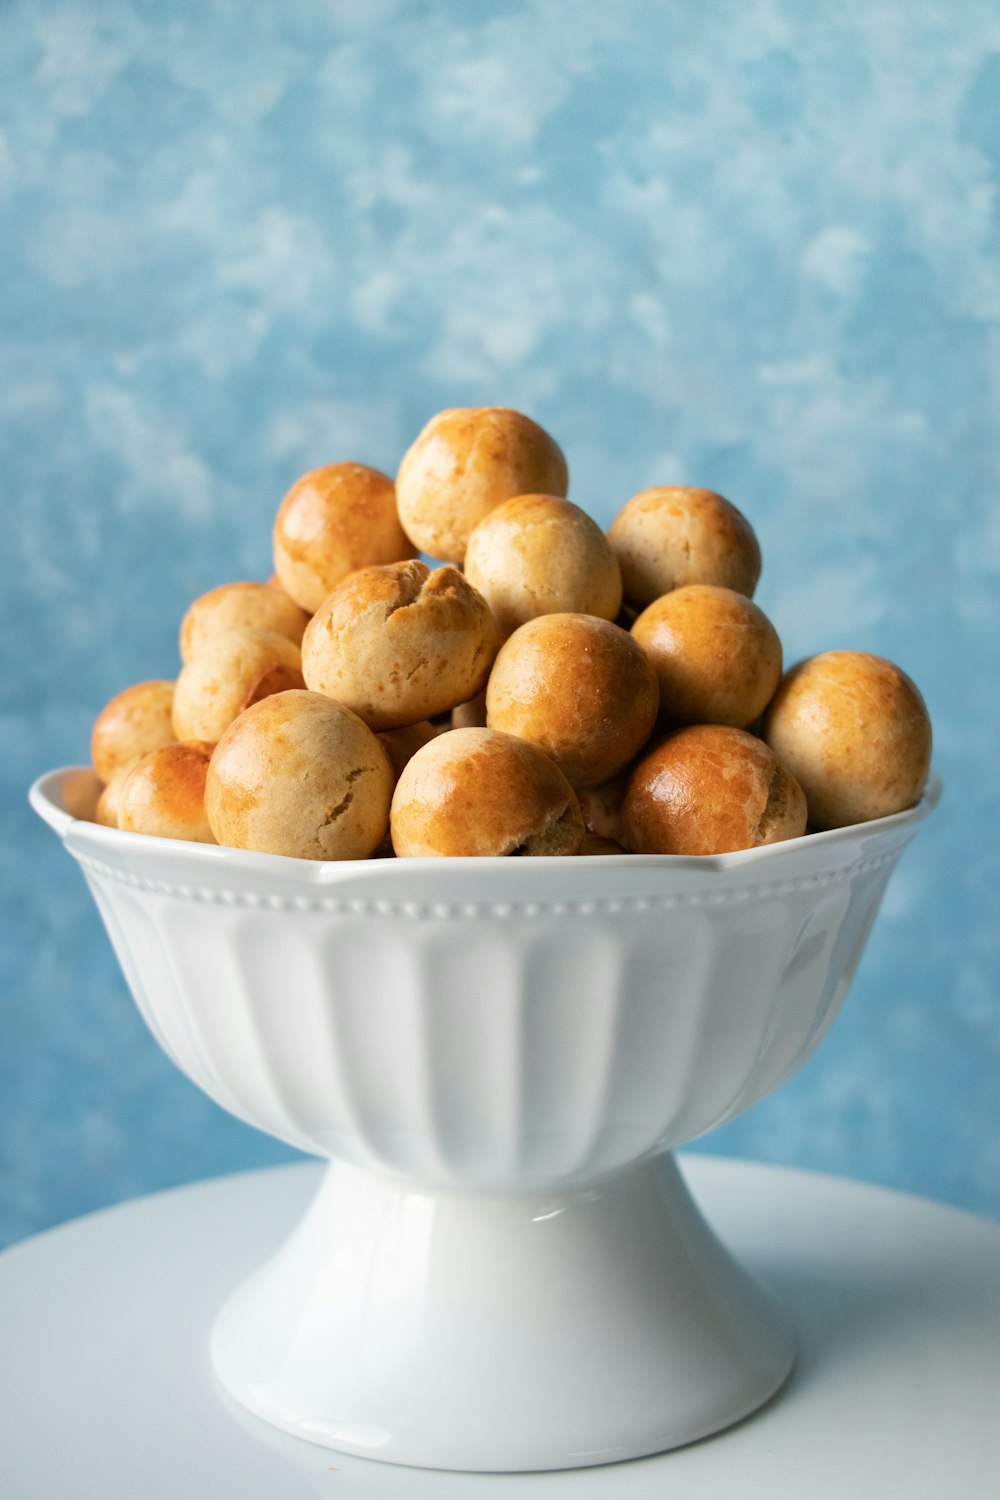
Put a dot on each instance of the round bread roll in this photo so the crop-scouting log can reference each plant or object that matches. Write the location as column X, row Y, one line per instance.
column 580, row 689
column 710, row 789
column 717, row 657
column 672, row 535
column 237, row 606
column 164, row 795
column 602, row 807
column 471, row 715
column 401, row 643
column 231, row 671
column 593, row 843
column 334, row 520
column 478, row 792
column 133, row 723
column 80, row 791
column 540, row 555
column 855, row 731
column 108, row 803
column 300, row 775
column 401, row 745
column 465, row 462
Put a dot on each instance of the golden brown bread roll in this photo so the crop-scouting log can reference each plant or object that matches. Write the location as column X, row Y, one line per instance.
column 602, row 806
column 717, row 657
column 334, row 520
column 671, row 535
column 855, row 731
column 466, row 461
column 711, row 789
column 233, row 606
column 401, row 745
column 137, row 720
column 81, row 790
column 108, row 803
column 593, row 843
column 300, row 775
column 164, row 794
column 471, row 715
column 540, row 555
column 400, row 644
column 231, row 671
column 580, row 689
column 478, row 792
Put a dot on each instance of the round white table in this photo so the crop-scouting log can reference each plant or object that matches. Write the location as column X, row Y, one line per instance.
column 106, row 1391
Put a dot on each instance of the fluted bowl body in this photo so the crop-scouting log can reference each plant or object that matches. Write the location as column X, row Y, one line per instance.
column 501, row 1025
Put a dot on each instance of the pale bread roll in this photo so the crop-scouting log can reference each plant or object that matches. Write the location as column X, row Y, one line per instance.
column 464, row 463
column 300, row 775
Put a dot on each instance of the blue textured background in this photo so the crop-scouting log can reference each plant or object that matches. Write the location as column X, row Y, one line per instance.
column 736, row 245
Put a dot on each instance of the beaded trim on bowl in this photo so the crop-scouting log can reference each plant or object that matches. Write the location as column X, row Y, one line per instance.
column 493, row 910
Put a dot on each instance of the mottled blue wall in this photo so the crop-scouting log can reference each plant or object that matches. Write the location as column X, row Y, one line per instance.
column 748, row 245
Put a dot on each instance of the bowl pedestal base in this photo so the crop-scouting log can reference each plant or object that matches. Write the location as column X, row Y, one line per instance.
column 458, row 1331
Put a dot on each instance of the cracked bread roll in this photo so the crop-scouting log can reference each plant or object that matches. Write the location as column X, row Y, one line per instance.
column 135, row 721
column 711, row 789
column 400, row 644
column 672, row 535
column 855, row 731
column 580, row 689
column 478, row 792
column 333, row 520
column 541, row 555
column 164, row 794
column 237, row 606
column 300, row 775
column 464, row 463
column 231, row 672
column 717, row 657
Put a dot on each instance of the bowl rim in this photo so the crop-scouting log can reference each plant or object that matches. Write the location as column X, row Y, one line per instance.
column 94, row 838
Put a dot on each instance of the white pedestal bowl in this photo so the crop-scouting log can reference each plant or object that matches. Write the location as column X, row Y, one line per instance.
column 503, row 1269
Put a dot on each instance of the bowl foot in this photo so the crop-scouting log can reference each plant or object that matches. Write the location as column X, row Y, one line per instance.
column 456, row 1331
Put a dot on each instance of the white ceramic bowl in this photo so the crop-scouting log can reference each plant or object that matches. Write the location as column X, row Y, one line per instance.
column 503, row 1269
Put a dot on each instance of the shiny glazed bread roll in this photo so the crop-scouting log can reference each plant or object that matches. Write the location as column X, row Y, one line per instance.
column 711, row 789
column 235, row 606
column 164, row 794
column 334, row 520
column 541, row 555
column 478, row 792
column 855, row 731
column 300, row 775
column 137, row 720
column 464, row 463
column 400, row 644
column 717, row 657
column 580, row 689
column 231, row 672
column 671, row 535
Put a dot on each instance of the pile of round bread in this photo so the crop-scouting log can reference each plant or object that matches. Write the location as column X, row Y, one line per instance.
column 541, row 688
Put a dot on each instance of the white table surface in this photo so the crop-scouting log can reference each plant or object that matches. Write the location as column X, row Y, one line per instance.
column 106, row 1391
